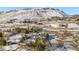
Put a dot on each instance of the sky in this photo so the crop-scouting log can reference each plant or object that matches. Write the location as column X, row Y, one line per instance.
column 68, row 10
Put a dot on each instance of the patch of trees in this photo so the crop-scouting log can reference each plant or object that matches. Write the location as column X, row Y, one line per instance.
column 2, row 39
column 22, row 30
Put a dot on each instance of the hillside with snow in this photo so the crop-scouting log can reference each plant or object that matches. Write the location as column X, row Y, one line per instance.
column 31, row 14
